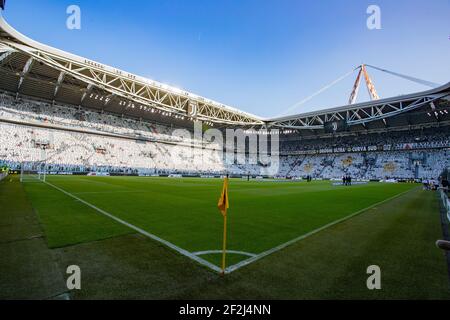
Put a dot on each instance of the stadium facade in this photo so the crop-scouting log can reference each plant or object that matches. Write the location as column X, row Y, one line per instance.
column 90, row 117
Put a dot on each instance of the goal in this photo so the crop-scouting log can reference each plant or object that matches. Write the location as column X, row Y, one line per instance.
column 34, row 171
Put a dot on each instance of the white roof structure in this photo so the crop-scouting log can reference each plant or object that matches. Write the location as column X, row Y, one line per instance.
column 35, row 69
column 403, row 110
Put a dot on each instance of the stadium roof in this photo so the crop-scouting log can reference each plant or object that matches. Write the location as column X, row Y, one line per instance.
column 412, row 109
column 30, row 68
column 34, row 69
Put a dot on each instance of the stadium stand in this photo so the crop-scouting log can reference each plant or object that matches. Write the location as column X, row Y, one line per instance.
column 28, row 126
column 369, row 165
column 75, row 115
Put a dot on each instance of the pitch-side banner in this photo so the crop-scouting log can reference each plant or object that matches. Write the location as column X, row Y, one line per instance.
column 335, row 126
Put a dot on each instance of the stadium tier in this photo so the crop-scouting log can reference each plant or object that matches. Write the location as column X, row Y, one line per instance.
column 80, row 140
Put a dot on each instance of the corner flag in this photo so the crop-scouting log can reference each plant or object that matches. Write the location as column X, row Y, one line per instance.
column 223, row 206
column 223, row 201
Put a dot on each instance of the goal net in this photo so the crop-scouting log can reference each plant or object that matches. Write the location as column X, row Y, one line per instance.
column 34, row 171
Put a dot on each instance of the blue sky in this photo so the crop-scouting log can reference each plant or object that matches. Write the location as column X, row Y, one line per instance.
column 261, row 56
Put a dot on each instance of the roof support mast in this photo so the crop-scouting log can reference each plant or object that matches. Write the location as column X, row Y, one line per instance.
column 355, row 90
column 370, row 86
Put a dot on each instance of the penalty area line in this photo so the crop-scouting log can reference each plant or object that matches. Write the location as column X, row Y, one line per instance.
column 302, row 237
column 139, row 230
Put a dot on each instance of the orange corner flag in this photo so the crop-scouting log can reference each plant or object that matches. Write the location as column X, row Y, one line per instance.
column 223, row 201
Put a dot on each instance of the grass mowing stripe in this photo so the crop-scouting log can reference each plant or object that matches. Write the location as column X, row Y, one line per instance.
column 67, row 222
column 286, row 244
column 143, row 232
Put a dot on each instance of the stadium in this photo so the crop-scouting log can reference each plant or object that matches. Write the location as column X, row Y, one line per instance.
column 120, row 175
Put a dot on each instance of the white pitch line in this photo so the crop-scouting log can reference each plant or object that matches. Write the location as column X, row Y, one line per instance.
column 143, row 232
column 242, row 253
column 284, row 245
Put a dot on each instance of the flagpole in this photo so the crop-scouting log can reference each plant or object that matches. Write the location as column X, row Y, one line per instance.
column 223, row 207
column 224, row 250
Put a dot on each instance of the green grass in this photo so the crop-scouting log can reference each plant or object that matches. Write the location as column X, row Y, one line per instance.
column 397, row 235
column 262, row 215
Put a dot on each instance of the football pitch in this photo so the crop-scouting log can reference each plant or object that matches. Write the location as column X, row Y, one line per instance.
column 160, row 238
column 264, row 216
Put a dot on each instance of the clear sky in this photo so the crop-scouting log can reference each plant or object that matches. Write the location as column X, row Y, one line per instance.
column 261, row 56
